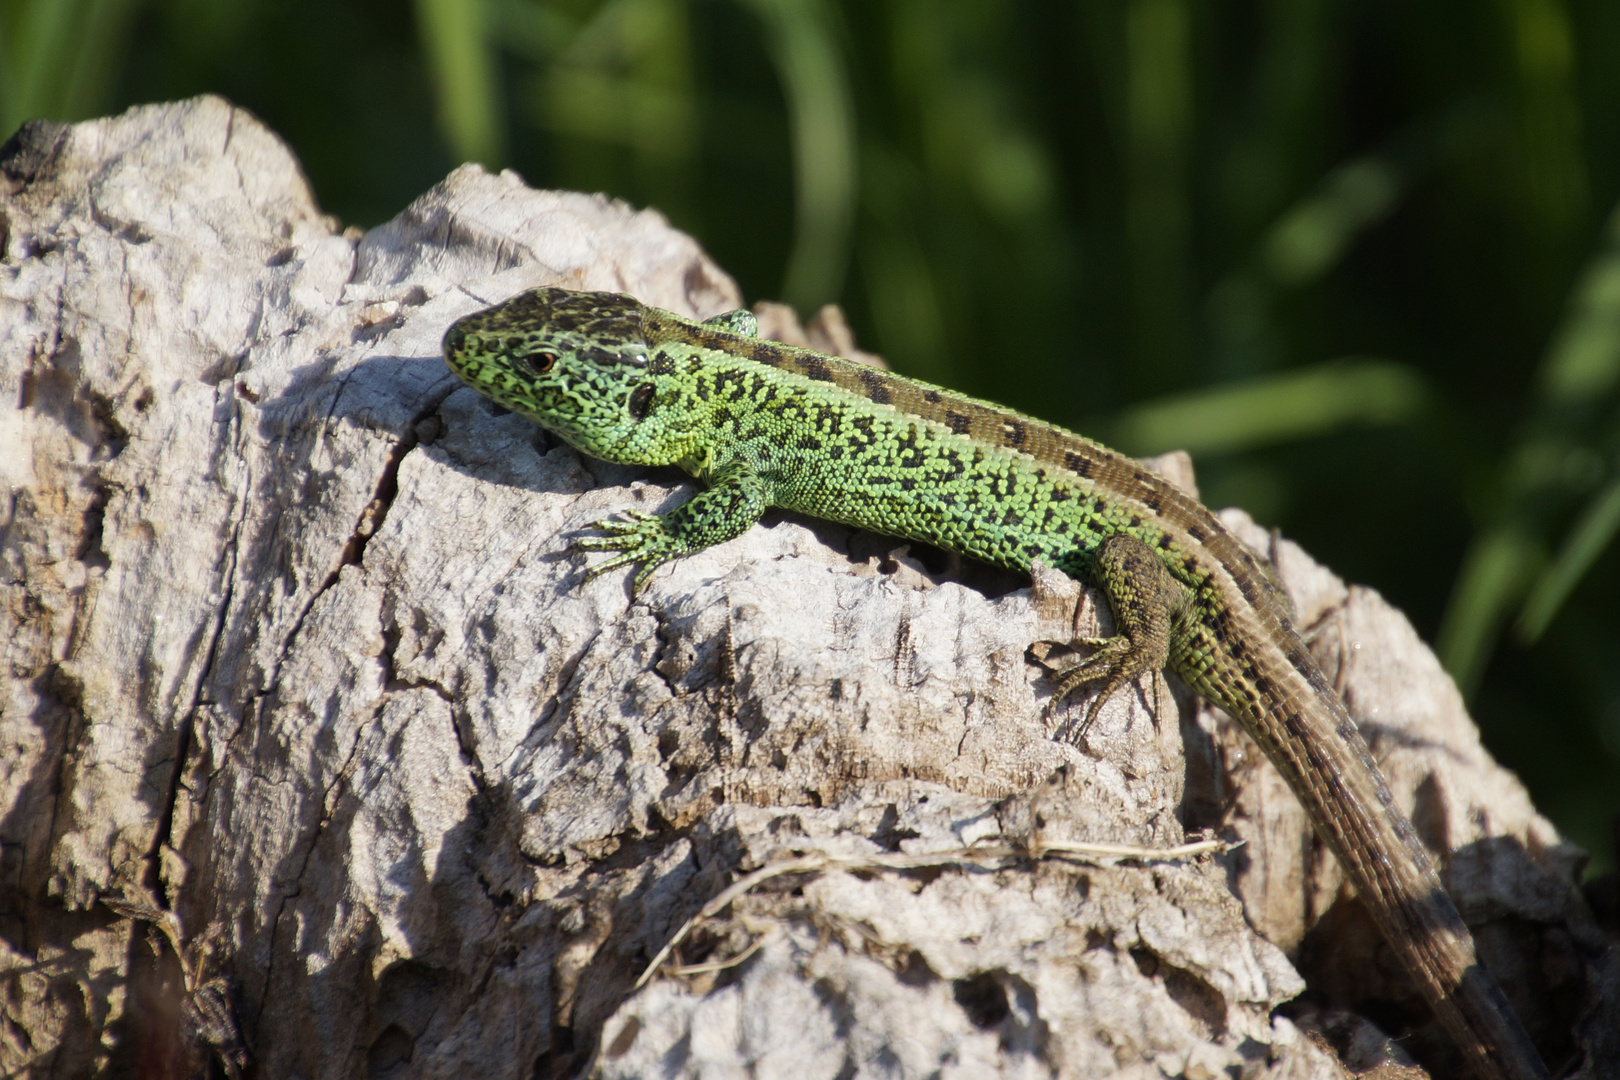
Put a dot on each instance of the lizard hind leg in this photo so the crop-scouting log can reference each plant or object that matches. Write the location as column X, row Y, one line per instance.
column 1146, row 601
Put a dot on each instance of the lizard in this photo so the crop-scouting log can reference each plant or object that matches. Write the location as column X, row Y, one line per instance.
column 765, row 424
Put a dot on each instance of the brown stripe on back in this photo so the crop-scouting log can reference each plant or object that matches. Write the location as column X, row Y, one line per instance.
column 877, row 387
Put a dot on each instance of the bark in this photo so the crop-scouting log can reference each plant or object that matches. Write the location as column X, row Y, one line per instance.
column 320, row 759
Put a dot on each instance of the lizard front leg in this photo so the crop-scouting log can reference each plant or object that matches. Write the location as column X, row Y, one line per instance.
column 733, row 502
column 1146, row 603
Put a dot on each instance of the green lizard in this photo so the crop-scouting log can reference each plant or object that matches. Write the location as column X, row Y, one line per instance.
column 764, row 424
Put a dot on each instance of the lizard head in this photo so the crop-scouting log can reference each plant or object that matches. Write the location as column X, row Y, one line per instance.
column 573, row 362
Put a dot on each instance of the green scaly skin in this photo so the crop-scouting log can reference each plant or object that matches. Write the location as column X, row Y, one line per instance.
column 764, row 424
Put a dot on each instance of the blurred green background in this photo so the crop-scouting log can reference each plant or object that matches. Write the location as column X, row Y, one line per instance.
column 1362, row 259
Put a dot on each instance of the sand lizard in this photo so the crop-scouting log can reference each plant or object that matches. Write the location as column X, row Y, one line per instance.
column 765, row 424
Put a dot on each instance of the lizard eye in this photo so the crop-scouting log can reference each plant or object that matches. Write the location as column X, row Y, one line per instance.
column 539, row 362
column 641, row 400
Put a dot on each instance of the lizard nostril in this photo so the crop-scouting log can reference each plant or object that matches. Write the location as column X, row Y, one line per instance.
column 454, row 338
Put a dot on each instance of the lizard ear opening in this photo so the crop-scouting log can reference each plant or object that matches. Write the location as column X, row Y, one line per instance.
column 641, row 400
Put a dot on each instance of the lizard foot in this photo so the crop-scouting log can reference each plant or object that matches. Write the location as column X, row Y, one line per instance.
column 1115, row 663
column 643, row 538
